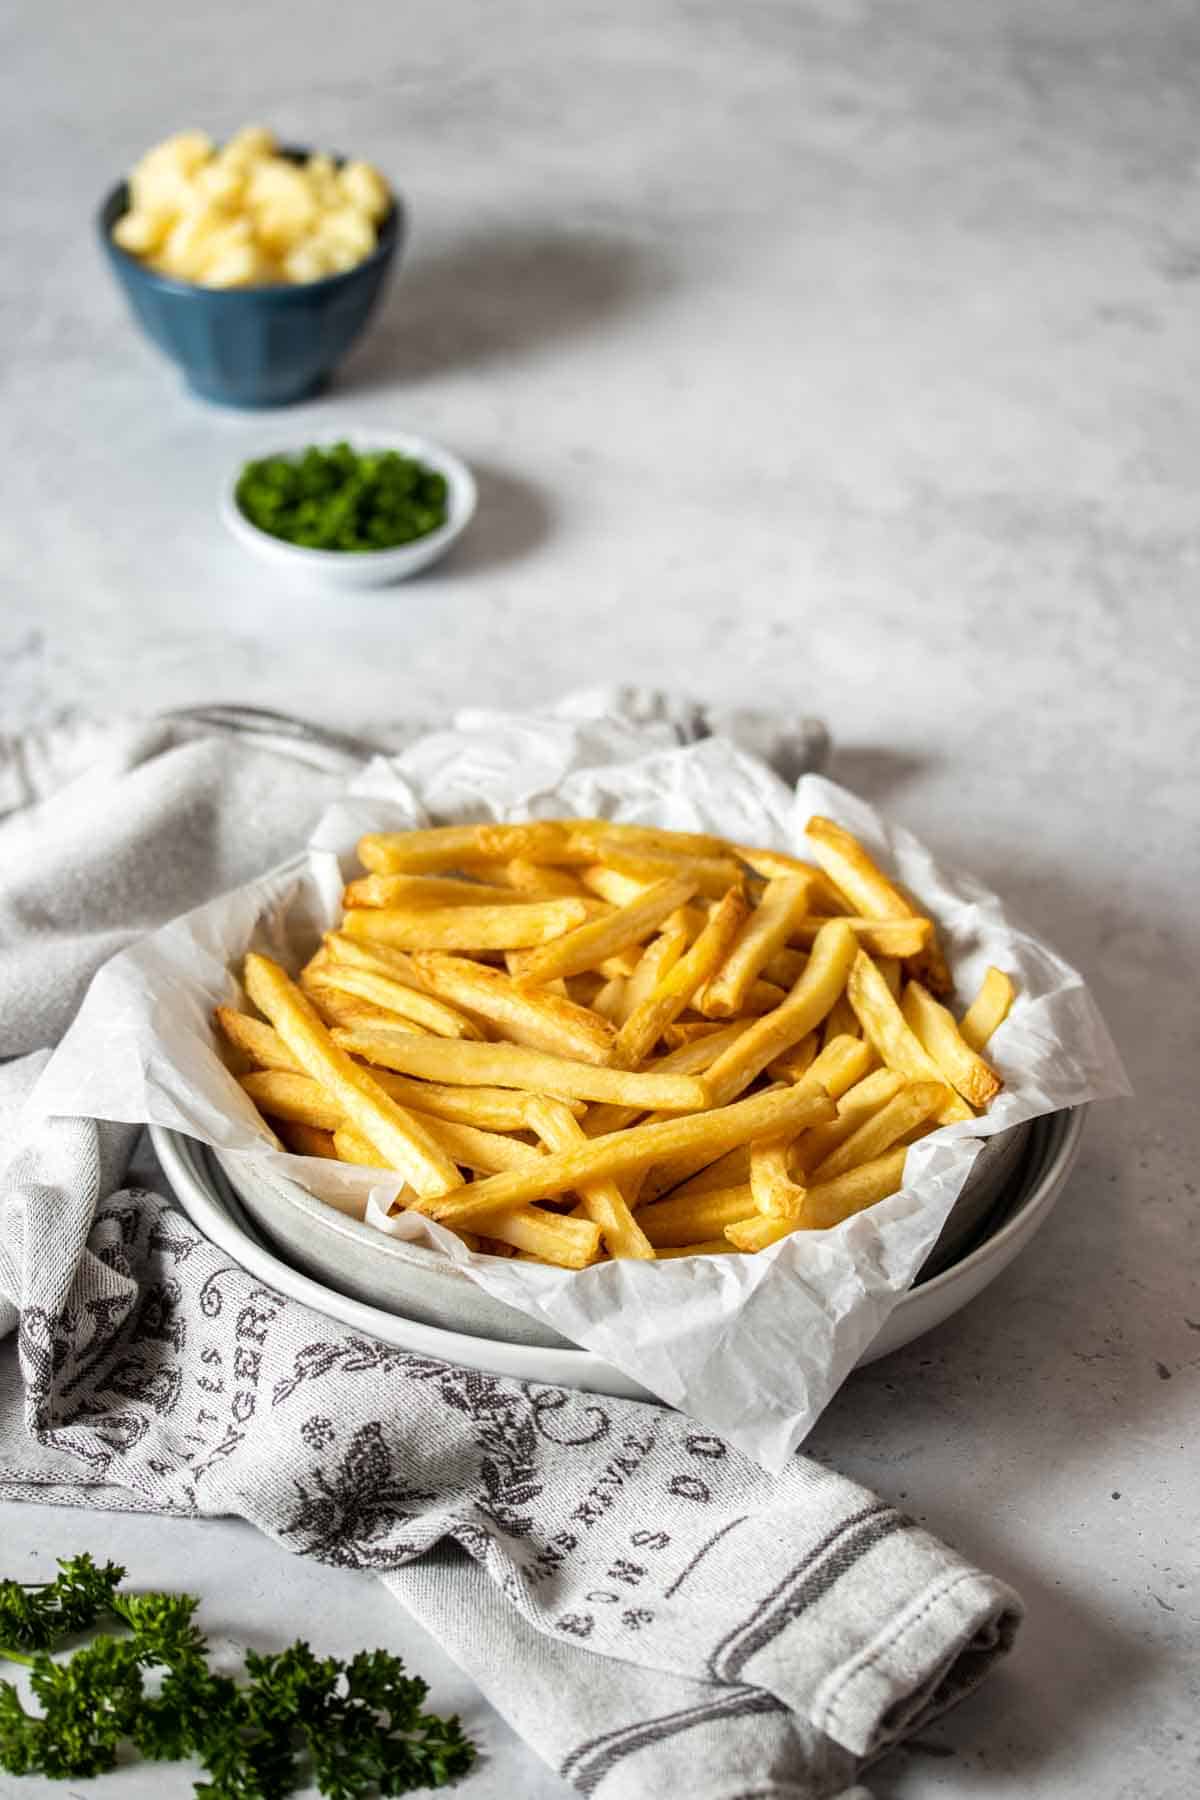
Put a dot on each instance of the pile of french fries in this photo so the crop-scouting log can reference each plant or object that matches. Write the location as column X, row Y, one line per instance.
column 574, row 1039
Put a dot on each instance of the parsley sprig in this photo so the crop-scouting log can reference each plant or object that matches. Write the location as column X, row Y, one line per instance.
column 355, row 1729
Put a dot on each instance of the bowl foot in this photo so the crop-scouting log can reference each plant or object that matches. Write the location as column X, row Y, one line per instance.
column 216, row 395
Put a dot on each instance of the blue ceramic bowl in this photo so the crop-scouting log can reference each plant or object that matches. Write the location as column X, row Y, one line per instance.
column 258, row 346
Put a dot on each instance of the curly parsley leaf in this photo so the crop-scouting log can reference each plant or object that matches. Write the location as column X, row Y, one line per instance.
column 37, row 1616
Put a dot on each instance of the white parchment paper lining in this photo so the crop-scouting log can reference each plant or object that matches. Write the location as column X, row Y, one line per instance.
column 751, row 1346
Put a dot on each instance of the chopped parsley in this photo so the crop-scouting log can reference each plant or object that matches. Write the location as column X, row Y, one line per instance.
column 343, row 499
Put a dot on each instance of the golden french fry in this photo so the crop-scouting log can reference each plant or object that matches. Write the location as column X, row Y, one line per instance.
column 423, row 890
column 336, row 1008
column 622, row 966
column 690, row 1031
column 889, row 968
column 611, row 885
column 536, row 881
column 714, row 1247
column 514, row 926
column 657, row 961
column 261, row 1043
column 771, row 1186
column 491, row 1108
column 771, row 1183
column 485, row 1152
column 603, row 1200
column 912, row 1106
column 826, row 1205
column 851, row 868
column 694, row 1218
column 885, row 1026
column 856, row 1105
column 988, row 1010
column 785, row 968
column 551, row 1237
column 603, row 838
column 882, row 937
column 582, row 989
column 628, row 871
column 762, row 932
column 771, row 864
column 625, row 1152
column 687, row 1059
column 841, row 1021
column 796, row 1062
column 408, row 1147
column 307, row 1140
column 838, row 1067
column 450, row 846
column 360, row 953
column 589, row 944
column 512, row 1065
column 934, row 1026
column 676, row 987
column 297, row 1098
column 394, row 997
column 806, row 1005
column 610, row 999
column 728, row 1171
column 871, row 893
column 534, row 1017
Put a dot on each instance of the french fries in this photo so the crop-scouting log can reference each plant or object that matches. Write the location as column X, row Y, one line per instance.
column 676, row 988
column 426, row 890
column 885, row 1026
column 988, row 1010
column 603, row 1201
column 625, row 1152
column 679, row 1037
column 509, row 926
column 848, row 864
column 511, row 1065
column 882, row 937
column 392, row 996
column 762, row 932
column 589, row 945
column 408, row 1147
column 826, row 1205
column 935, row 1027
column 534, row 1017
column 453, row 846
column 916, row 1102
column 824, row 978
column 692, row 1218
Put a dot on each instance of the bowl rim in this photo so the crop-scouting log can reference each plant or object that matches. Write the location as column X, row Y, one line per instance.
column 115, row 205
column 463, row 498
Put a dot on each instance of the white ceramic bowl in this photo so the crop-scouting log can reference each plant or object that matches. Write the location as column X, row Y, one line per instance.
column 366, row 568
column 211, row 1203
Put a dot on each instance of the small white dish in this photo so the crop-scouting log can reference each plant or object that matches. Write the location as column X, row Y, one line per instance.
column 366, row 568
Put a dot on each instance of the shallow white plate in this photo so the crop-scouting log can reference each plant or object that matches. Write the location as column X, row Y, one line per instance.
column 211, row 1205
column 368, row 568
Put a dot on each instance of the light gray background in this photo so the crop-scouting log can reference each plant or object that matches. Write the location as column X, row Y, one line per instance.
column 837, row 355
